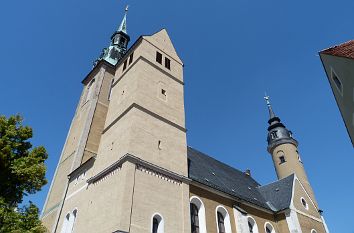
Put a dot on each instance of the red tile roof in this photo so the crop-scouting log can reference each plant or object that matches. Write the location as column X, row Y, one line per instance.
column 343, row 50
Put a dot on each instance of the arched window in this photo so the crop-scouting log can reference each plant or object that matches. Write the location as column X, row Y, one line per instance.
column 223, row 220
column 69, row 221
column 269, row 228
column 194, row 218
column 252, row 225
column 90, row 90
column 313, row 231
column 65, row 223
column 157, row 224
column 198, row 224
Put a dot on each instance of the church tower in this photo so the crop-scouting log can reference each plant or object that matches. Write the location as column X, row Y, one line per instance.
column 126, row 148
column 284, row 150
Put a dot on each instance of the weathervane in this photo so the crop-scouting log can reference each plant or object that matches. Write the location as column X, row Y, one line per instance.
column 126, row 8
column 267, row 99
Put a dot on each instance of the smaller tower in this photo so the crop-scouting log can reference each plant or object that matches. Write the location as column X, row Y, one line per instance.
column 284, row 150
column 119, row 44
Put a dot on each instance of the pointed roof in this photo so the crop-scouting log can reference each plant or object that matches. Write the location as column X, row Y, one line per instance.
column 162, row 40
column 123, row 24
column 270, row 110
column 342, row 50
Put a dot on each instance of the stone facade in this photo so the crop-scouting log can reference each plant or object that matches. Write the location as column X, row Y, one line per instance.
column 124, row 164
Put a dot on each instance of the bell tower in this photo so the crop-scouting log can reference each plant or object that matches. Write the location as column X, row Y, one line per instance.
column 284, row 150
column 118, row 45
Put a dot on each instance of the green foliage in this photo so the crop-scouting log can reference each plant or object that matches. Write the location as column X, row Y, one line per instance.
column 22, row 172
column 23, row 220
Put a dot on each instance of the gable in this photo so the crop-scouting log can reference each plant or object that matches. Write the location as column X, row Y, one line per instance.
column 299, row 194
column 162, row 40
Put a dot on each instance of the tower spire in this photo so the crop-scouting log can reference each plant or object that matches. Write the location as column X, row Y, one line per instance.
column 277, row 132
column 119, row 43
column 267, row 99
column 123, row 24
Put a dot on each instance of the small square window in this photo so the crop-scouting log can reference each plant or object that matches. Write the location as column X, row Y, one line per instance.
column 167, row 63
column 159, row 57
column 125, row 65
column 131, row 58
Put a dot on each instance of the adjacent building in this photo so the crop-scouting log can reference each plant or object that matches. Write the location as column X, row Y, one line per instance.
column 338, row 62
column 126, row 165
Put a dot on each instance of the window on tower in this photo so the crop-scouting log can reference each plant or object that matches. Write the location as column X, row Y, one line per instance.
column 167, row 63
column 125, row 65
column 90, row 89
column 157, row 224
column 131, row 58
column 274, row 134
column 282, row 159
column 159, row 57
column 122, row 41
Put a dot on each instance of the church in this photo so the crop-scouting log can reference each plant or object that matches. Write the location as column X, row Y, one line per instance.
column 126, row 166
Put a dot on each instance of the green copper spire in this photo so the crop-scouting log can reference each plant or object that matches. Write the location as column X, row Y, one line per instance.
column 118, row 46
column 123, row 24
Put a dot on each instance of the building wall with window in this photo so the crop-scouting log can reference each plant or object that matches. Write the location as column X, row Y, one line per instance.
column 307, row 213
column 82, row 140
column 340, row 71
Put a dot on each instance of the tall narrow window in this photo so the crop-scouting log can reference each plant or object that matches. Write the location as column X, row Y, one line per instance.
column 110, row 90
column 157, row 225
column 167, row 63
column 269, row 228
column 131, row 58
column 159, row 57
column 197, row 211
column 65, row 224
column 90, row 89
column 282, row 159
column 221, row 223
column 223, row 220
column 337, row 82
column 71, row 222
column 194, row 218
column 252, row 226
column 125, row 65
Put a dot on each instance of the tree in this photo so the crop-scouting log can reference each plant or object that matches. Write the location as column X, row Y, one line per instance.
column 22, row 172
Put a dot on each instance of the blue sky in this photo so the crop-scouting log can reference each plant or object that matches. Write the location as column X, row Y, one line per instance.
column 233, row 52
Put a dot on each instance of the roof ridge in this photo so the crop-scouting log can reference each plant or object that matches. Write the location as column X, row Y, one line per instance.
column 225, row 164
column 337, row 45
column 274, row 182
